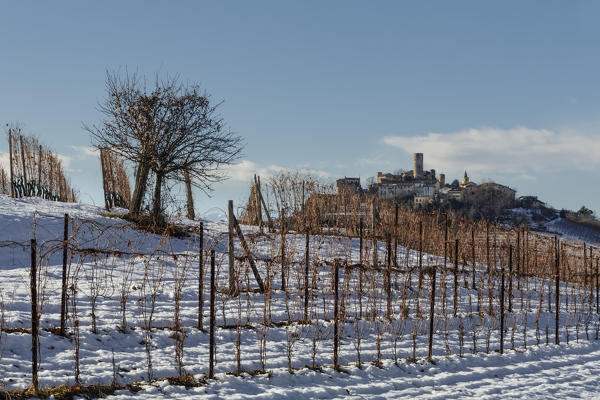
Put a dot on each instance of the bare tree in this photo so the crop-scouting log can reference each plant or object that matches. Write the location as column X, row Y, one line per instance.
column 172, row 130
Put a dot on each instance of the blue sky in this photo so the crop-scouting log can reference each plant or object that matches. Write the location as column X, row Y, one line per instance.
column 508, row 91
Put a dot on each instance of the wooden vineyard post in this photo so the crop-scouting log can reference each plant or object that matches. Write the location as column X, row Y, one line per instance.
column 557, row 300
column 589, row 280
column 502, row 307
column 432, row 311
column 213, row 289
column 396, row 237
column 455, row 276
column 10, row 158
column 510, row 283
column 39, row 177
column 388, row 279
column 25, row 193
column 230, row 250
column 474, row 286
column 34, row 318
column 63, row 293
column 360, row 269
column 374, row 231
column 420, row 253
column 444, row 272
column 336, row 333
column 259, row 220
column 306, row 264
column 517, row 265
column 597, row 286
column 282, row 220
column 262, row 200
column 248, row 255
column 201, row 279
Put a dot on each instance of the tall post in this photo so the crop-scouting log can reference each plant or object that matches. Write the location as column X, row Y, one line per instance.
column 213, row 289
column 306, row 263
column 597, row 286
column 25, row 193
column 231, row 270
column 502, row 310
column 518, row 261
column 455, row 276
column 10, row 158
column 201, row 278
column 557, row 300
column 336, row 333
column 445, row 240
column 360, row 269
column 474, row 286
column 431, row 311
column 282, row 219
column 388, row 278
column 34, row 317
column 396, row 237
column 420, row 252
column 510, row 273
column 374, row 231
column 63, row 294
column 39, row 177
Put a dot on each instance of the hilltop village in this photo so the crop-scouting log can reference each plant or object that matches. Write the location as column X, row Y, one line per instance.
column 424, row 189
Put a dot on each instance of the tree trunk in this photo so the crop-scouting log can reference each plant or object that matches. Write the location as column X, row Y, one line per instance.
column 141, row 181
column 157, row 198
column 189, row 195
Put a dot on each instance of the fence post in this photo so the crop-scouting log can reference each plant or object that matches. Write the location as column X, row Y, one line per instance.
column 336, row 280
column 282, row 220
column 360, row 269
column 510, row 273
column 211, row 365
column 34, row 317
column 307, row 259
column 388, row 278
column 502, row 308
column 230, row 250
column 455, row 299
column 201, row 279
column 10, row 158
column 474, row 286
column 396, row 237
column 431, row 312
column 557, row 300
column 63, row 294
column 420, row 252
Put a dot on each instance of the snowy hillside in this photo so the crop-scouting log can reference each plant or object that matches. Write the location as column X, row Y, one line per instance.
column 278, row 344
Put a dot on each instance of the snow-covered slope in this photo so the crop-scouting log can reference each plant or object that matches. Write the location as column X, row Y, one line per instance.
column 139, row 266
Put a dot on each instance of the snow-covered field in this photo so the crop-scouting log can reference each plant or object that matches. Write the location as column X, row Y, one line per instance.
column 142, row 267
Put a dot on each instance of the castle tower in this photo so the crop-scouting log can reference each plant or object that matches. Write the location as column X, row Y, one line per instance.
column 418, row 165
column 442, row 180
column 465, row 179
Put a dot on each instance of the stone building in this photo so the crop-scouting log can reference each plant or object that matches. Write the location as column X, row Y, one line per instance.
column 348, row 185
column 416, row 183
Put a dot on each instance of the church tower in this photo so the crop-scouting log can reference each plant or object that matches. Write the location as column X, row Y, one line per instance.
column 465, row 179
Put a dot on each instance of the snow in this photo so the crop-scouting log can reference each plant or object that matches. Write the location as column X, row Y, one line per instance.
column 537, row 370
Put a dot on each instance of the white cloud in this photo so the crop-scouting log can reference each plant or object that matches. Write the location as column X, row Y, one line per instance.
column 487, row 151
column 65, row 161
column 85, row 151
column 245, row 170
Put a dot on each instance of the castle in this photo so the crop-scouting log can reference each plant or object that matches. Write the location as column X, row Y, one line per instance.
column 420, row 185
